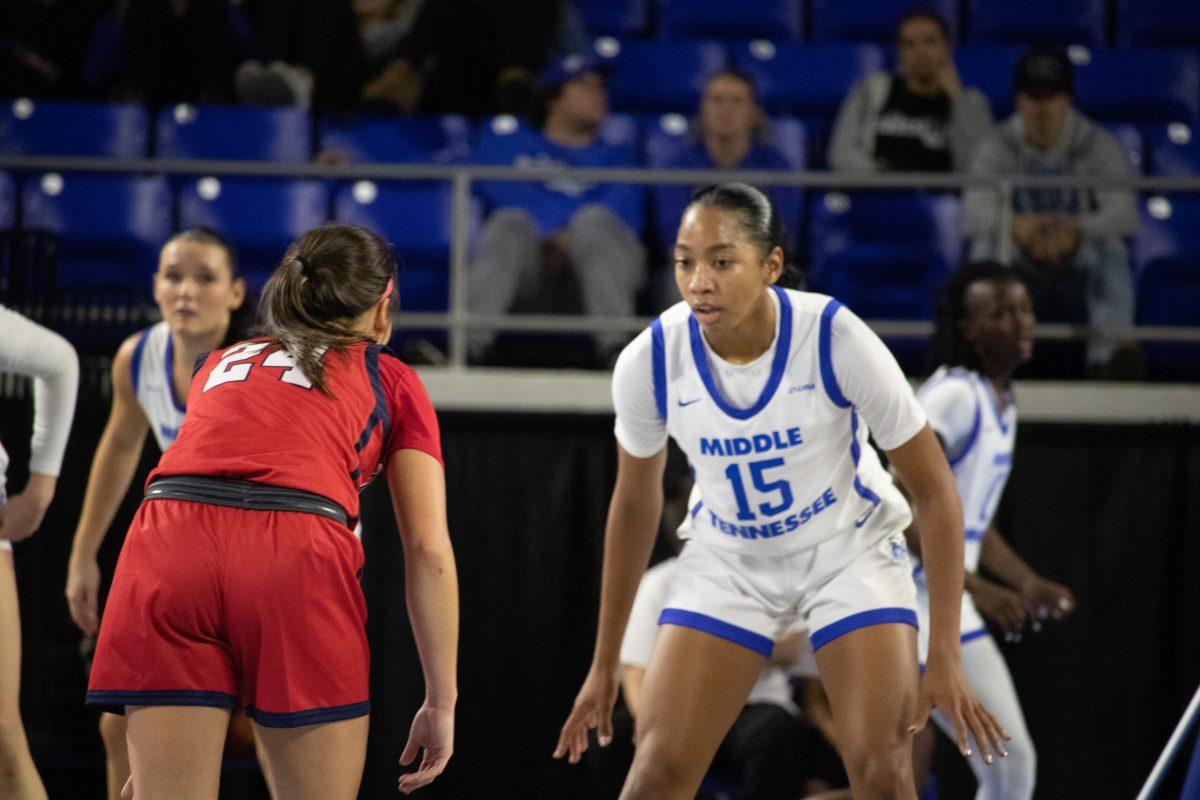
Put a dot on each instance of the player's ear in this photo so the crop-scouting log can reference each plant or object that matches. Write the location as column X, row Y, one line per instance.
column 381, row 323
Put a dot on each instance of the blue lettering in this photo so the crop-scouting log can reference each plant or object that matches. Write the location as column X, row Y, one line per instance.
column 711, row 447
column 794, row 437
column 828, row 497
column 805, row 515
column 762, row 442
column 791, row 523
column 740, row 447
column 776, row 528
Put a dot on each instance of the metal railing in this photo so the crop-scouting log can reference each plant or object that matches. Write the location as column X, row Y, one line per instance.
column 458, row 321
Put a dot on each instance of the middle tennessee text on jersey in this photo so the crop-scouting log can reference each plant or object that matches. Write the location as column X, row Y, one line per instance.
column 791, row 470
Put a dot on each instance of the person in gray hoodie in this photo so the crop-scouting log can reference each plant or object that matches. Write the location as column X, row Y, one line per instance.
column 921, row 119
column 1069, row 243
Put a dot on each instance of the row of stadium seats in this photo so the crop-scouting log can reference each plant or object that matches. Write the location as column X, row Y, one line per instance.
column 287, row 135
column 881, row 252
column 1086, row 22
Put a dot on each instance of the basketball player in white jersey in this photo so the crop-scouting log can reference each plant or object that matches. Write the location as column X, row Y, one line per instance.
column 984, row 332
column 28, row 349
column 770, row 393
column 198, row 290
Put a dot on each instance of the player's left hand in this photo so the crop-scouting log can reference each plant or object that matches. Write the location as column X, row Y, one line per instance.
column 944, row 687
column 432, row 731
column 1046, row 598
column 22, row 514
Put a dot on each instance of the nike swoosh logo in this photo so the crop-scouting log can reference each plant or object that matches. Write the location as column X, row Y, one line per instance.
column 689, row 402
column 858, row 523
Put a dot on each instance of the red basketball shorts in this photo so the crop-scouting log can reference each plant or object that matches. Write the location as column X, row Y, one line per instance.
column 226, row 607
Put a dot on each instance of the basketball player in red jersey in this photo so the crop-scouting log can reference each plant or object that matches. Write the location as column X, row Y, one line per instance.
column 238, row 581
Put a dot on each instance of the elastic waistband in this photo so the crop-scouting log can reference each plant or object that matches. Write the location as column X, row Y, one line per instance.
column 244, row 494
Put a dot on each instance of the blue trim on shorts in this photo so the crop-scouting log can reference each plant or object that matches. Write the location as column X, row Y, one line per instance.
column 825, row 355
column 116, row 701
column 863, row 619
column 971, row 636
column 658, row 365
column 135, row 365
column 311, row 716
column 719, row 628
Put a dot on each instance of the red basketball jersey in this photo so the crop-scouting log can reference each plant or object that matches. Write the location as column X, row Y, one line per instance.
column 253, row 415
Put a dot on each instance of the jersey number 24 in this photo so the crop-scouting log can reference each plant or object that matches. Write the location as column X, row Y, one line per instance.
column 234, row 366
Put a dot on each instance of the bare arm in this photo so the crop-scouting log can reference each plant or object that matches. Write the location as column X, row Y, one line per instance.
column 418, row 489
column 1042, row 597
column 112, row 471
column 633, row 517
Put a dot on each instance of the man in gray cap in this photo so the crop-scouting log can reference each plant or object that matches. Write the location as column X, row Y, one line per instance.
column 1069, row 242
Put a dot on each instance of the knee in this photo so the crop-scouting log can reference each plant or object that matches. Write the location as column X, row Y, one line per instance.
column 595, row 225
column 1016, row 773
column 657, row 772
column 112, row 731
column 510, row 222
column 880, row 773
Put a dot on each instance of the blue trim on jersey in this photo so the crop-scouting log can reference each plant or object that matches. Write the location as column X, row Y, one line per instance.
column 658, row 365
column 200, row 359
column 719, row 628
column 825, row 355
column 987, row 389
column 109, row 700
column 696, row 508
column 972, row 437
column 783, row 347
column 135, row 366
column 974, row 534
column 863, row 619
column 311, row 716
column 971, row 636
column 169, row 368
column 856, row 453
column 379, row 414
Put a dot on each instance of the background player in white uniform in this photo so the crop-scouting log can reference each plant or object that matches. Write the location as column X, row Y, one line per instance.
column 31, row 350
column 762, row 389
column 198, row 290
column 984, row 332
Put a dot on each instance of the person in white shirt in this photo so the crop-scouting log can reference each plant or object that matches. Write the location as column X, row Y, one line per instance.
column 984, row 332
column 28, row 349
column 770, row 394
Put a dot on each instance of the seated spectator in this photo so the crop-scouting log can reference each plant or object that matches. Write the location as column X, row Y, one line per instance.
column 730, row 133
column 536, row 232
column 1070, row 244
column 771, row 752
column 921, row 119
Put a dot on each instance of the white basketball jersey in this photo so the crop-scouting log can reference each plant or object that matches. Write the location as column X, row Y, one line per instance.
column 788, row 472
column 981, row 461
column 152, row 370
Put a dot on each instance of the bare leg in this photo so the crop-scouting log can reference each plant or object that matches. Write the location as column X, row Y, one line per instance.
column 18, row 776
column 116, row 753
column 175, row 751
column 314, row 762
column 870, row 675
column 695, row 687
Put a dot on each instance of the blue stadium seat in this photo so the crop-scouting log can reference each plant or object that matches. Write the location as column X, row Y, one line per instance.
column 1157, row 23
column 1133, row 145
column 870, row 20
column 233, row 132
column 398, row 139
column 1036, row 22
column 1168, row 280
column 1175, row 150
column 8, row 202
column 883, row 254
column 806, row 79
column 1140, row 86
column 720, row 19
column 416, row 219
column 56, row 128
column 989, row 68
column 659, row 75
column 260, row 215
column 105, row 230
column 616, row 17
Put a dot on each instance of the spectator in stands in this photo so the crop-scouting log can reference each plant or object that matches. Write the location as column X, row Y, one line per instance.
column 536, row 231
column 42, row 45
column 921, row 119
column 730, row 133
column 1069, row 243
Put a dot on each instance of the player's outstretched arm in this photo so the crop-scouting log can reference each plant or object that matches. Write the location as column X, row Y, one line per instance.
column 1042, row 598
column 418, row 487
column 922, row 466
column 633, row 518
column 113, row 467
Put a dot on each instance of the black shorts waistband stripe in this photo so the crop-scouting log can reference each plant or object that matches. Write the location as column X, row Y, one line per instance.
column 244, row 494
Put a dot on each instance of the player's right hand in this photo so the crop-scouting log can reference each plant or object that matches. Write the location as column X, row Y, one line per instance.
column 1002, row 606
column 593, row 709
column 83, row 588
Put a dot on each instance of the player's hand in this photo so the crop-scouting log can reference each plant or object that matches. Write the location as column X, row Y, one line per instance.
column 83, row 588
column 22, row 515
column 1047, row 599
column 1002, row 606
column 593, row 709
column 944, row 687
column 432, row 731
column 127, row 791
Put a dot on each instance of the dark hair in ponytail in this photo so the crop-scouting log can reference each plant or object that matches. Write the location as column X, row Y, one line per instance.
column 327, row 278
column 759, row 218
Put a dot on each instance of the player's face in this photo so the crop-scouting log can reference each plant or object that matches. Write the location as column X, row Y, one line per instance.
column 195, row 288
column 719, row 271
column 921, row 48
column 999, row 322
column 727, row 109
